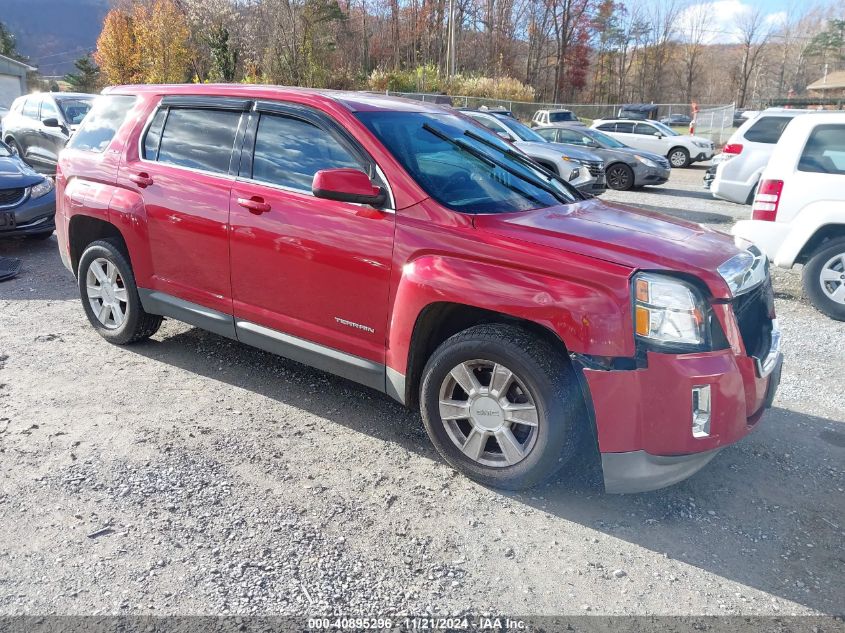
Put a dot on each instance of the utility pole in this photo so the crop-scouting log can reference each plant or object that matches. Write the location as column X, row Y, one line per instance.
column 451, row 53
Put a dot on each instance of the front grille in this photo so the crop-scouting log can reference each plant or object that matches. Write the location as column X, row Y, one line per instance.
column 596, row 168
column 11, row 197
column 754, row 311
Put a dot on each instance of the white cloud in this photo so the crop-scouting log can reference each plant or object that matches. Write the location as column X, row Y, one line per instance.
column 718, row 21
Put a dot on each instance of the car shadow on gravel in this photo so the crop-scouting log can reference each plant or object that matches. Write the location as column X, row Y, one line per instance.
column 42, row 275
column 765, row 513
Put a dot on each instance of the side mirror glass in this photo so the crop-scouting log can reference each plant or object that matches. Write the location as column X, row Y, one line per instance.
column 347, row 185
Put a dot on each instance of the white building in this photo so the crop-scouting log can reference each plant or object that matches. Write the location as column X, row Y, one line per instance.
column 12, row 80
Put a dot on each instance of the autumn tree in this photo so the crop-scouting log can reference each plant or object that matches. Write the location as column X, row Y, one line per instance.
column 117, row 51
column 162, row 34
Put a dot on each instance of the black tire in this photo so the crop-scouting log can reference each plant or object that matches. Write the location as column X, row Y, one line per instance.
column 752, row 194
column 16, row 149
column 812, row 282
column 40, row 236
column 137, row 324
column 548, row 377
column 678, row 157
column 620, row 177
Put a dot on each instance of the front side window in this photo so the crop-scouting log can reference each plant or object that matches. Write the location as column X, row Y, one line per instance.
column 522, row 131
column 644, row 129
column 98, row 129
column 548, row 134
column 767, row 129
column 824, row 152
column 575, row 138
column 74, row 109
column 289, row 151
column 491, row 125
column 48, row 110
column 464, row 167
column 197, row 138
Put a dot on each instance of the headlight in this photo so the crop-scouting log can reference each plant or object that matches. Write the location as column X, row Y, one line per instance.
column 744, row 271
column 645, row 161
column 702, row 144
column 41, row 189
column 574, row 174
column 668, row 311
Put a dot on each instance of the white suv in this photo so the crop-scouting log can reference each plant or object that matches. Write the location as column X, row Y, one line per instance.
column 799, row 210
column 555, row 117
column 747, row 152
column 652, row 136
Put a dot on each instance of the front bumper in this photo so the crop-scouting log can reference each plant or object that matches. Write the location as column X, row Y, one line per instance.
column 594, row 188
column 702, row 155
column 32, row 217
column 644, row 416
column 650, row 175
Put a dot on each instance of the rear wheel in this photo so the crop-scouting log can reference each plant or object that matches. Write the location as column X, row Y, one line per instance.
column 824, row 279
column 620, row 177
column 678, row 157
column 502, row 406
column 110, row 297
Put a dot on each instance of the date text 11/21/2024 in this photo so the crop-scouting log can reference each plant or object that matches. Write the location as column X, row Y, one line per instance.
column 411, row 623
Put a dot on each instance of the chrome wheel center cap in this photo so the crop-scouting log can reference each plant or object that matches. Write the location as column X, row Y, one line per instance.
column 487, row 413
column 108, row 293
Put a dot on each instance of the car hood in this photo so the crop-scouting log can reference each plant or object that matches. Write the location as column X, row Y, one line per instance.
column 623, row 235
column 555, row 150
column 15, row 173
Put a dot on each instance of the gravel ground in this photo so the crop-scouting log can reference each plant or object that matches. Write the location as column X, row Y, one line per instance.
column 193, row 475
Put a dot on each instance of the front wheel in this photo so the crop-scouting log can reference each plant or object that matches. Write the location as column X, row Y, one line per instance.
column 502, row 406
column 110, row 297
column 620, row 177
column 678, row 157
column 824, row 279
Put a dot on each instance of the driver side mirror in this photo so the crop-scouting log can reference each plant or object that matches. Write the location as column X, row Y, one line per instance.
column 658, row 135
column 347, row 185
column 504, row 135
column 51, row 122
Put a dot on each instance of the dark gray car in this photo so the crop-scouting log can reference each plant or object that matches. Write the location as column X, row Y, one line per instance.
column 625, row 167
column 27, row 199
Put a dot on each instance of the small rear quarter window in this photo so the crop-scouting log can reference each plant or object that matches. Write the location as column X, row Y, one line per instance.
column 101, row 123
column 824, row 152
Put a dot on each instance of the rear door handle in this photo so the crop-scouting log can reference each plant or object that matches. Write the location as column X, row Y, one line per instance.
column 142, row 180
column 255, row 204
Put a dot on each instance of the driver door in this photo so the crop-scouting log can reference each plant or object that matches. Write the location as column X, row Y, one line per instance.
column 50, row 140
column 648, row 140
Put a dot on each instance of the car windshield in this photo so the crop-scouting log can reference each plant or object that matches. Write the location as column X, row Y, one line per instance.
column 608, row 142
column 522, row 131
column 74, row 110
column 561, row 117
column 664, row 129
column 463, row 166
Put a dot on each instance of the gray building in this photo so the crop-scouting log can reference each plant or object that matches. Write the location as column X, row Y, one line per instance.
column 12, row 80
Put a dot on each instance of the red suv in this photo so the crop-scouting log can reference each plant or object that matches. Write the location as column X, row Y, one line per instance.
column 400, row 245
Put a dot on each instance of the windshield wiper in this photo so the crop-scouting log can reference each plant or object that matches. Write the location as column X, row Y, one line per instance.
column 492, row 162
column 484, row 158
column 527, row 161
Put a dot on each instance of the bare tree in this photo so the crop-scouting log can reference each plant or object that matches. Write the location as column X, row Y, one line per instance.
column 754, row 32
column 693, row 31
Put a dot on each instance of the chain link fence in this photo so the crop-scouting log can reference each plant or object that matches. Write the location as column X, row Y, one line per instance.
column 714, row 121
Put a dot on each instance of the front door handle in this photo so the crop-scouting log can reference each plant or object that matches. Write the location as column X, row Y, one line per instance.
column 255, row 204
column 142, row 180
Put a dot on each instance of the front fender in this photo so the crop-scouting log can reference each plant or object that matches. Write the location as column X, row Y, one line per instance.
column 590, row 317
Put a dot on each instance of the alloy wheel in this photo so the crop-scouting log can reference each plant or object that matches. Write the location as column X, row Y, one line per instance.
column 677, row 158
column 832, row 278
column 106, row 293
column 618, row 178
column 488, row 413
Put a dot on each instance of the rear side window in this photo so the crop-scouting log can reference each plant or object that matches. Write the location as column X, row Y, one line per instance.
column 196, row 138
column 824, row 152
column 30, row 108
column 607, row 127
column 767, row 129
column 101, row 124
column 289, row 151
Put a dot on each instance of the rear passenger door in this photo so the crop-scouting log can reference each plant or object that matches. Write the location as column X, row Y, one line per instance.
column 184, row 174
column 309, row 267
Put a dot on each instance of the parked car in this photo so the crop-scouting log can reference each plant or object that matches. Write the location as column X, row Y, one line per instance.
column 553, row 117
column 745, row 155
column 405, row 247
column 559, row 159
column 676, row 119
column 38, row 126
column 27, row 199
column 652, row 136
column 798, row 215
column 638, row 111
column 625, row 168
